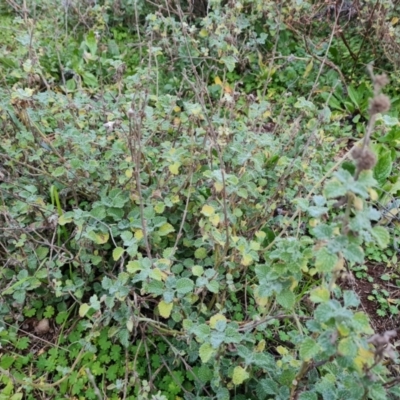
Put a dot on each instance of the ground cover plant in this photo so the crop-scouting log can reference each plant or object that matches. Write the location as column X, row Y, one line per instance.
column 199, row 200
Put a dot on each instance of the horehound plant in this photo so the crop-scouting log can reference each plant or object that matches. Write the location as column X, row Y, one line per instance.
column 342, row 348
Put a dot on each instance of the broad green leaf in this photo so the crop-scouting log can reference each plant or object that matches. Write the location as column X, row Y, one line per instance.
column 133, row 266
column 215, row 318
column 156, row 274
column 381, row 236
column 200, row 253
column 184, row 285
column 286, row 298
column 383, row 167
column 354, row 253
column 206, row 352
column 361, row 323
column 239, row 375
column 269, row 386
column 65, row 218
column 350, row 299
column 117, row 253
column 59, row 171
column 165, row 229
column 354, row 96
column 320, row 295
column 90, row 79
column 213, row 286
column 347, row 347
column 334, row 188
column 230, row 62
column 325, row 261
column 308, row 349
column 197, row 270
column 308, row 396
column 165, row 308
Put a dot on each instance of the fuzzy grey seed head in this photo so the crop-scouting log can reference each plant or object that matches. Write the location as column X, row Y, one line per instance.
column 365, row 159
column 379, row 104
column 381, row 81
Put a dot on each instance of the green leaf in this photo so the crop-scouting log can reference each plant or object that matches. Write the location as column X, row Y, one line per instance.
column 66, row 218
column 325, row 261
column 308, row 349
column 206, row 352
column 117, row 253
column 200, row 253
column 184, row 285
column 91, row 42
column 381, row 236
column 353, row 96
column 230, row 62
column 383, row 167
column 165, row 229
column 334, row 188
column 377, row 392
column 239, row 375
column 354, row 253
column 350, row 299
column 308, row 396
column 213, row 286
column 286, row 298
column 268, row 386
column 347, row 347
column 90, row 79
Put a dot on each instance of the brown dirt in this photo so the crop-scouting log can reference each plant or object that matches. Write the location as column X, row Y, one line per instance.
column 364, row 288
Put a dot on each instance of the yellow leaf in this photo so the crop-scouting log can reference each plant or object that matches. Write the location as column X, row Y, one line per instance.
column 282, row 350
column 246, row 260
column 364, row 357
column 129, row 173
column 165, row 308
column 207, row 210
column 394, row 20
column 239, row 375
column 267, row 114
column 215, row 318
column 138, row 234
column 214, row 219
column 218, row 81
column 174, row 168
column 358, row 203
column 260, row 235
column 177, row 109
column 83, row 309
column 203, row 33
column 218, row 187
column 373, row 194
column 308, row 68
column 260, row 346
column 101, row 238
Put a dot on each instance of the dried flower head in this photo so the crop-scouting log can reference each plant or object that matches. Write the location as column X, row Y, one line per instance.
column 380, row 81
column 379, row 104
column 365, row 158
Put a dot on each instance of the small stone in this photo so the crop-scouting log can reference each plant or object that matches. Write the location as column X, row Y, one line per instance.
column 42, row 327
